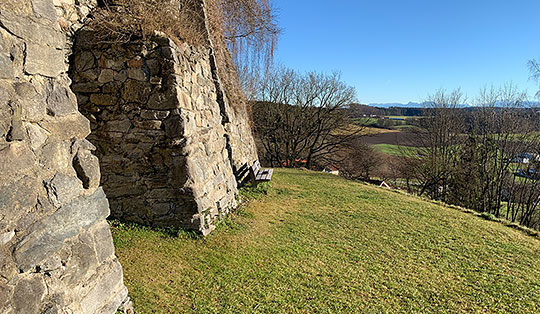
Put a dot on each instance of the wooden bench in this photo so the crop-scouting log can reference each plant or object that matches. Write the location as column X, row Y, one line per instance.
column 259, row 175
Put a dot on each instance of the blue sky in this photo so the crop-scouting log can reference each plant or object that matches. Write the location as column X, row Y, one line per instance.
column 403, row 50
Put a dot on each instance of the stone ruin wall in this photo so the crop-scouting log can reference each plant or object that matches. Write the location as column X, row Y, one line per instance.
column 158, row 127
column 56, row 249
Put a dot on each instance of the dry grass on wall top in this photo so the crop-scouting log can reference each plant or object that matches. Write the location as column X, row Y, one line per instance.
column 184, row 22
column 124, row 20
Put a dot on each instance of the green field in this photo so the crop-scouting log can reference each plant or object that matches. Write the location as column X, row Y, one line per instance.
column 397, row 150
column 317, row 243
column 365, row 121
column 399, row 117
column 403, row 126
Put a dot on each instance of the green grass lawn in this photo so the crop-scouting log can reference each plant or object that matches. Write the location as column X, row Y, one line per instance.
column 317, row 243
column 397, row 150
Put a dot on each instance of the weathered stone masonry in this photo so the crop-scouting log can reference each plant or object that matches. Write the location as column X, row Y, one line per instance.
column 56, row 250
column 158, row 129
column 168, row 141
column 170, row 144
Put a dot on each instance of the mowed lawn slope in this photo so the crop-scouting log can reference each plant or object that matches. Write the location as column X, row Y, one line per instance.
column 320, row 244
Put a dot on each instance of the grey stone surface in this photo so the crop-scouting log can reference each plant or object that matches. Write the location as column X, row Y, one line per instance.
column 62, row 189
column 61, row 102
column 17, row 161
column 44, row 9
column 29, row 294
column 53, row 251
column 93, row 301
column 36, row 135
column 44, row 60
column 65, row 223
column 32, row 32
column 87, row 167
column 68, row 127
column 103, row 235
column 163, row 142
column 6, row 237
column 6, row 67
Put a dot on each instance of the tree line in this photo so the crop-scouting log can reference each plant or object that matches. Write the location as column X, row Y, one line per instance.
column 484, row 159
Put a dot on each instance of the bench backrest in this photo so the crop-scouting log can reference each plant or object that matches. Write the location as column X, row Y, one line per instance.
column 256, row 167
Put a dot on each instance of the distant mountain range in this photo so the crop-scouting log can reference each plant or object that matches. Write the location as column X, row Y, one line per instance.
column 421, row 105
column 398, row 105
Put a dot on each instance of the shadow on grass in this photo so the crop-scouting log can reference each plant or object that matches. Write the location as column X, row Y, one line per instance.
column 227, row 223
column 164, row 232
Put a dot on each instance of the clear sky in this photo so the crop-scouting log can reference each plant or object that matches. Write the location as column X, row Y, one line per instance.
column 403, row 50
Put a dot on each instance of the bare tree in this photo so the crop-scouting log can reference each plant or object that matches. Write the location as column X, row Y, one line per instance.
column 468, row 157
column 534, row 68
column 360, row 160
column 438, row 139
column 500, row 132
column 301, row 117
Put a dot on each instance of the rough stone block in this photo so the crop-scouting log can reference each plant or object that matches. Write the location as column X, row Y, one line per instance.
column 106, row 76
column 61, row 102
column 137, row 74
column 44, row 60
column 63, row 189
column 44, row 9
column 83, row 61
column 36, row 135
column 6, row 293
column 87, row 167
column 121, row 76
column 29, row 293
column 163, row 100
column 17, row 199
column 6, row 113
column 55, row 156
column 112, row 88
column 174, row 126
column 48, row 235
column 17, row 161
column 82, row 144
column 149, row 124
column 68, row 127
column 33, row 32
column 87, row 87
column 136, row 91
column 121, row 126
column 103, row 237
column 111, row 282
column 6, row 67
column 103, row 99
column 8, row 269
column 154, row 114
column 79, row 264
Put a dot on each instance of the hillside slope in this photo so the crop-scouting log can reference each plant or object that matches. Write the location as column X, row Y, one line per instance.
column 320, row 244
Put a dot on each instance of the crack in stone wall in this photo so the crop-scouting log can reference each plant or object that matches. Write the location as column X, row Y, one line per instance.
column 236, row 121
column 220, row 98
